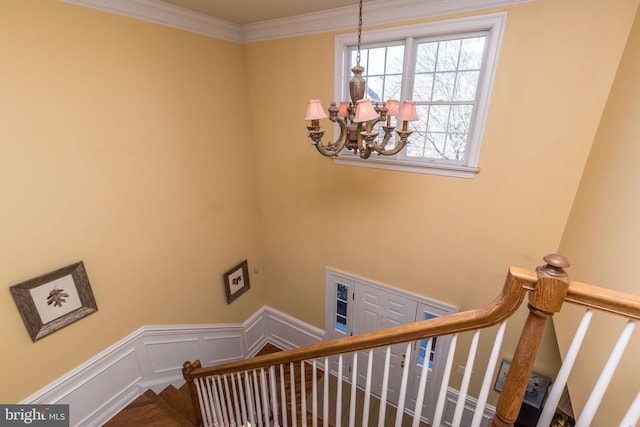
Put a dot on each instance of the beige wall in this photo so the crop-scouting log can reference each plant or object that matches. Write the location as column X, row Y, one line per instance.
column 445, row 238
column 602, row 235
column 111, row 131
column 111, row 152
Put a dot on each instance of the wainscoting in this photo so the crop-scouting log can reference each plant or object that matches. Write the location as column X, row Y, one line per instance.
column 152, row 358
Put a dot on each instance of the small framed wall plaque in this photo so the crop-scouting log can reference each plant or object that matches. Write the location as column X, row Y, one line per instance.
column 54, row 300
column 236, row 281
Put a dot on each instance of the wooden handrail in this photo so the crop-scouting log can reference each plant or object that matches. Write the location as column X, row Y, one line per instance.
column 501, row 308
column 603, row 299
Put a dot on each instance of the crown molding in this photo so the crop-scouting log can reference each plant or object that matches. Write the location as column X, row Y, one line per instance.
column 338, row 19
column 168, row 15
column 375, row 13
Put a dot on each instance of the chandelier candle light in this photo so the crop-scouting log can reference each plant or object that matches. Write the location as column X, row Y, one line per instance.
column 358, row 118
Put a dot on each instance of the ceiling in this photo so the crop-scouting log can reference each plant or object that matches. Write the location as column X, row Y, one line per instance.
column 252, row 11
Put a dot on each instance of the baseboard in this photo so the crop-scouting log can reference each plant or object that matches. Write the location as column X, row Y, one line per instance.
column 152, row 358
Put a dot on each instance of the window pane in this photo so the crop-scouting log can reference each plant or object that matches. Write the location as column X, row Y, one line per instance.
column 342, row 292
column 395, row 60
column 471, row 53
column 423, row 87
column 416, row 146
column 448, row 53
column 438, row 118
column 466, row 86
column 460, row 118
column 456, row 146
column 443, row 86
column 375, row 88
column 341, row 323
column 342, row 308
column 392, row 87
column 376, row 63
column 426, row 57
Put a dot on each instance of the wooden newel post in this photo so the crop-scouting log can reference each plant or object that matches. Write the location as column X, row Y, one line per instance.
column 187, row 369
column 546, row 299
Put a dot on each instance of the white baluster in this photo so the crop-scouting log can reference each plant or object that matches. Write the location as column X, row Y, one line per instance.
column 633, row 414
column 219, row 398
column 227, row 395
column 354, row 378
column 264, row 386
column 466, row 378
column 236, row 401
column 283, row 397
column 243, row 405
column 367, row 390
column 339, row 394
column 417, row 412
column 563, row 375
column 325, row 400
column 258, row 399
column 442, row 395
column 274, row 396
column 303, row 398
column 204, row 401
column 599, row 389
column 488, row 377
column 403, row 385
column 385, row 386
column 218, row 402
column 292, row 380
column 314, row 396
column 250, row 408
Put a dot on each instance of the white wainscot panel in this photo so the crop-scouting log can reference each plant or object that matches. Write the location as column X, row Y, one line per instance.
column 168, row 355
column 255, row 332
column 223, row 348
column 117, row 380
column 288, row 332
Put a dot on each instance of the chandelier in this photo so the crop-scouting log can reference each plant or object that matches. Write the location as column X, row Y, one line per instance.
column 358, row 118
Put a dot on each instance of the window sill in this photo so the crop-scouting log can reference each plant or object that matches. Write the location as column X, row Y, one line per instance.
column 455, row 171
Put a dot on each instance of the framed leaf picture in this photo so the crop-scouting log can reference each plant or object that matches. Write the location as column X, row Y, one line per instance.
column 54, row 300
column 236, row 281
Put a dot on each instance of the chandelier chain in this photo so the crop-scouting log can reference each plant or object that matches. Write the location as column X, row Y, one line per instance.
column 359, row 33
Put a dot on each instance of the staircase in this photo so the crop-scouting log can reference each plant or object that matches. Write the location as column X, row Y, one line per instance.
column 171, row 408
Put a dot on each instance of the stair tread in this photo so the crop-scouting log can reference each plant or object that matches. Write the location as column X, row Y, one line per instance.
column 180, row 401
column 168, row 408
column 143, row 412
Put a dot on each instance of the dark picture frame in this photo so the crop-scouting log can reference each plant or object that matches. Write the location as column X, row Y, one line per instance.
column 236, row 281
column 54, row 300
column 536, row 389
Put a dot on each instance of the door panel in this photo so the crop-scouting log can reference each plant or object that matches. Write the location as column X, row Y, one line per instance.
column 376, row 309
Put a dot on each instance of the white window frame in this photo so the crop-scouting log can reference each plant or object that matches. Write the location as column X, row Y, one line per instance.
column 493, row 24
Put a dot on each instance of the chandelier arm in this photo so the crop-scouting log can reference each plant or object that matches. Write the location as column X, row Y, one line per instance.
column 332, row 148
column 380, row 147
column 400, row 144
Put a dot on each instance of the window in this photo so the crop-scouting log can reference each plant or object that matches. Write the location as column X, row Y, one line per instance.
column 342, row 293
column 447, row 67
column 423, row 346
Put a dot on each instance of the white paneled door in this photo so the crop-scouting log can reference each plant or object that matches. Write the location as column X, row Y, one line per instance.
column 376, row 309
